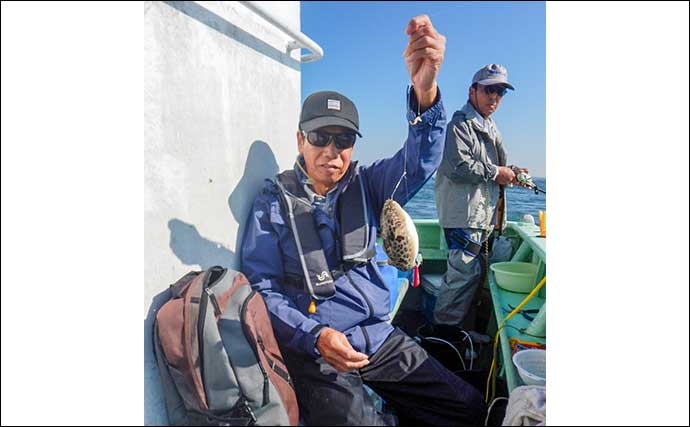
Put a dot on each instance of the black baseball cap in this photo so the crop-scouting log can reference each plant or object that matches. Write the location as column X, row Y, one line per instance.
column 328, row 108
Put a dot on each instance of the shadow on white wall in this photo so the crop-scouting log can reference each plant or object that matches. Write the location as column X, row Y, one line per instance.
column 200, row 253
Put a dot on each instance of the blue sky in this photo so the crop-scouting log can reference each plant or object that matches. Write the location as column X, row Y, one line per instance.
column 363, row 44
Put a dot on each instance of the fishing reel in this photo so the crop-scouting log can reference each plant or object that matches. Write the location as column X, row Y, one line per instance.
column 526, row 181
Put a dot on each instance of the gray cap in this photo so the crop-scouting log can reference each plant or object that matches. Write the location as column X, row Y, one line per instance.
column 492, row 74
column 328, row 108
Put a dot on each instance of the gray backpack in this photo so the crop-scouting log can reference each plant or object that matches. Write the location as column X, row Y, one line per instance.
column 217, row 355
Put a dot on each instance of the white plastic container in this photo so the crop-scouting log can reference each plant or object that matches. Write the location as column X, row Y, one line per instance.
column 531, row 366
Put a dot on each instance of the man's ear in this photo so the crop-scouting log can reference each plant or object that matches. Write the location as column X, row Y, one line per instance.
column 300, row 141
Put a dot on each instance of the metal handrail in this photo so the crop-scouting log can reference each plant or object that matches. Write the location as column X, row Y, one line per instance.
column 300, row 39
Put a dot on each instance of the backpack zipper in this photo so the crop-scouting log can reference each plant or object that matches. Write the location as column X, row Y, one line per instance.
column 284, row 374
column 246, row 410
column 250, row 339
column 200, row 334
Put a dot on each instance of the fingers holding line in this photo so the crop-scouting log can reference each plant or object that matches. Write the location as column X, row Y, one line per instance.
column 425, row 39
column 425, row 43
column 429, row 32
column 426, row 53
column 416, row 22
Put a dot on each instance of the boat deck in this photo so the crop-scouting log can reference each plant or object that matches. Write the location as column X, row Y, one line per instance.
column 527, row 247
column 532, row 249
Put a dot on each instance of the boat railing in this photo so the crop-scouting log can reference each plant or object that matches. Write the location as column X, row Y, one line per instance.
column 300, row 40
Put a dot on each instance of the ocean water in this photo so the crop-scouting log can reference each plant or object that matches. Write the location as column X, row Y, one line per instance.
column 520, row 201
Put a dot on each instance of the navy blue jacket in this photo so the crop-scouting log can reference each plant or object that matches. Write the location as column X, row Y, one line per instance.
column 361, row 311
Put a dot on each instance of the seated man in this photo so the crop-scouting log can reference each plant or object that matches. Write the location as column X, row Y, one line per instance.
column 309, row 249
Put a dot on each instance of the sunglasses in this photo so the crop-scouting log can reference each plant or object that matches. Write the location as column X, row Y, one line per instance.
column 319, row 138
column 497, row 89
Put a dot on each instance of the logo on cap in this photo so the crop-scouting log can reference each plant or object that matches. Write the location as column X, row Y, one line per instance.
column 492, row 74
column 333, row 104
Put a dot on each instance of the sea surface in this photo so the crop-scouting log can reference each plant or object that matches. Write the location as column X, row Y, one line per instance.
column 520, row 201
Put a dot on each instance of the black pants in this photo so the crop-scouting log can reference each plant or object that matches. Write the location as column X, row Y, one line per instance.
column 414, row 384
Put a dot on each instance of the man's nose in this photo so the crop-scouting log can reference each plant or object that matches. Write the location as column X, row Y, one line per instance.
column 331, row 150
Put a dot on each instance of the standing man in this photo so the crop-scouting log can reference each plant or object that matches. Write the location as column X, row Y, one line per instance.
column 469, row 185
column 309, row 249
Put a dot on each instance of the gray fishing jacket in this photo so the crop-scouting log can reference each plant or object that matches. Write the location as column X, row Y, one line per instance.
column 466, row 193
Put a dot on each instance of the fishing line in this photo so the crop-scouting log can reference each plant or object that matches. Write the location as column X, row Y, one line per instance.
column 404, row 174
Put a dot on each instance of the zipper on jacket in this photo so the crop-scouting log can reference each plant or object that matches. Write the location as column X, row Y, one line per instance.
column 366, row 339
column 371, row 309
column 250, row 339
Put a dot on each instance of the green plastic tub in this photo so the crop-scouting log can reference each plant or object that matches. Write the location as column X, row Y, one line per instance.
column 515, row 276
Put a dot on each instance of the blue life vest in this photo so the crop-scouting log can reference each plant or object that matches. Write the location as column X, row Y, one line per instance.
column 355, row 237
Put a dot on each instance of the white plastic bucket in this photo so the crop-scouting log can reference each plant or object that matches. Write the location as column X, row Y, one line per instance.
column 531, row 366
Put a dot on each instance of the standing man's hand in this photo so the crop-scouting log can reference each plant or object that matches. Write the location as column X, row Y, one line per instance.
column 423, row 57
column 337, row 351
column 517, row 171
column 505, row 175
